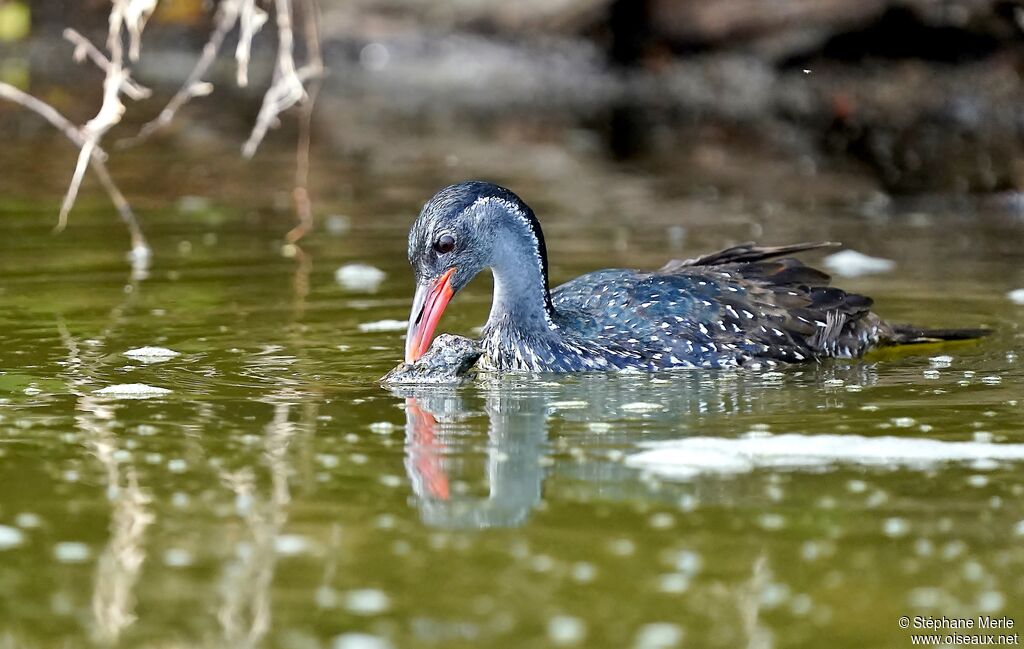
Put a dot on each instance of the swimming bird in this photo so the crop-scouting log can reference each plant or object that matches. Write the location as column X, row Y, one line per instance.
column 745, row 305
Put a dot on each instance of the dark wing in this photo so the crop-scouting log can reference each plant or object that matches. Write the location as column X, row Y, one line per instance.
column 746, row 252
column 815, row 319
column 730, row 307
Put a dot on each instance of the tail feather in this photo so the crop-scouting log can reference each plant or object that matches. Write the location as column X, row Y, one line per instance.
column 910, row 335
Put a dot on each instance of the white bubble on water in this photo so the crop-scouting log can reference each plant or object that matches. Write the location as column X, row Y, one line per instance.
column 774, row 595
column 876, row 499
column 177, row 465
column 896, row 527
column 851, row 263
column 925, row 598
column 566, row 630
column 991, row 601
column 953, row 549
column 326, row 597
column 568, row 405
column 658, row 635
column 622, row 547
column 542, row 563
column 924, row 547
column 801, row 604
column 71, row 552
column 856, row 486
column 584, row 572
column 673, row 583
column 383, row 325
column 367, row 601
column 151, row 354
column 973, row 571
column 642, row 406
column 361, row 641
column 688, row 502
column 687, row 562
column 361, row 278
column 132, row 391
column 10, row 537
column 977, row 480
column 771, row 521
column 291, row 544
column 28, row 520
column 177, row 558
column 661, row 521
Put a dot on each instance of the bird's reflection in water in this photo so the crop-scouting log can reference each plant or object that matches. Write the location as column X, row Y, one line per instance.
column 440, row 431
column 516, row 433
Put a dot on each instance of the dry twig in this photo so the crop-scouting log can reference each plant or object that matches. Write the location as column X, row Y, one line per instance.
column 228, row 12
column 303, row 205
column 252, row 19
column 85, row 49
column 124, row 14
column 287, row 87
column 140, row 249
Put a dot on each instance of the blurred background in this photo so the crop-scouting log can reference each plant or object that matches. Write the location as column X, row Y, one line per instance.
column 873, row 99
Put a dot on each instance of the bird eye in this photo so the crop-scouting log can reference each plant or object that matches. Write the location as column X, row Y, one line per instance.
column 444, row 244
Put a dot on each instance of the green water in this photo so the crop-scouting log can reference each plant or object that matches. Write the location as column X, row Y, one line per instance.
column 278, row 497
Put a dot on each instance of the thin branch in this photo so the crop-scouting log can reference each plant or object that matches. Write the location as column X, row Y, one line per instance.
column 111, row 109
column 194, row 86
column 136, row 14
column 303, row 204
column 85, row 49
column 287, row 88
column 61, row 123
column 252, row 20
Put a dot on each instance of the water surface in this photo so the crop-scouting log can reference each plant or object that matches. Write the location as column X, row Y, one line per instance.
column 278, row 497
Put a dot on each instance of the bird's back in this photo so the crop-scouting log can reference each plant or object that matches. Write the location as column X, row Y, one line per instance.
column 720, row 310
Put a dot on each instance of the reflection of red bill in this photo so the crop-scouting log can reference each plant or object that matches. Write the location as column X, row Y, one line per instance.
column 427, row 307
column 427, row 451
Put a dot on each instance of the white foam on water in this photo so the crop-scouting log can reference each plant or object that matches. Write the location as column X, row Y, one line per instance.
column 1016, row 296
column 850, row 263
column 642, row 406
column 71, row 552
column 687, row 458
column 367, row 601
column 10, row 537
column 384, row 325
column 290, row 545
column 151, row 354
column 659, row 635
column 361, row 641
column 132, row 391
column 360, row 277
column 566, row 630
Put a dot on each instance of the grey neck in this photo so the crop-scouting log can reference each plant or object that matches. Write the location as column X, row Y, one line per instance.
column 521, row 296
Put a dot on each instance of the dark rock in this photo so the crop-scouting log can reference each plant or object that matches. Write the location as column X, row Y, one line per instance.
column 448, row 361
